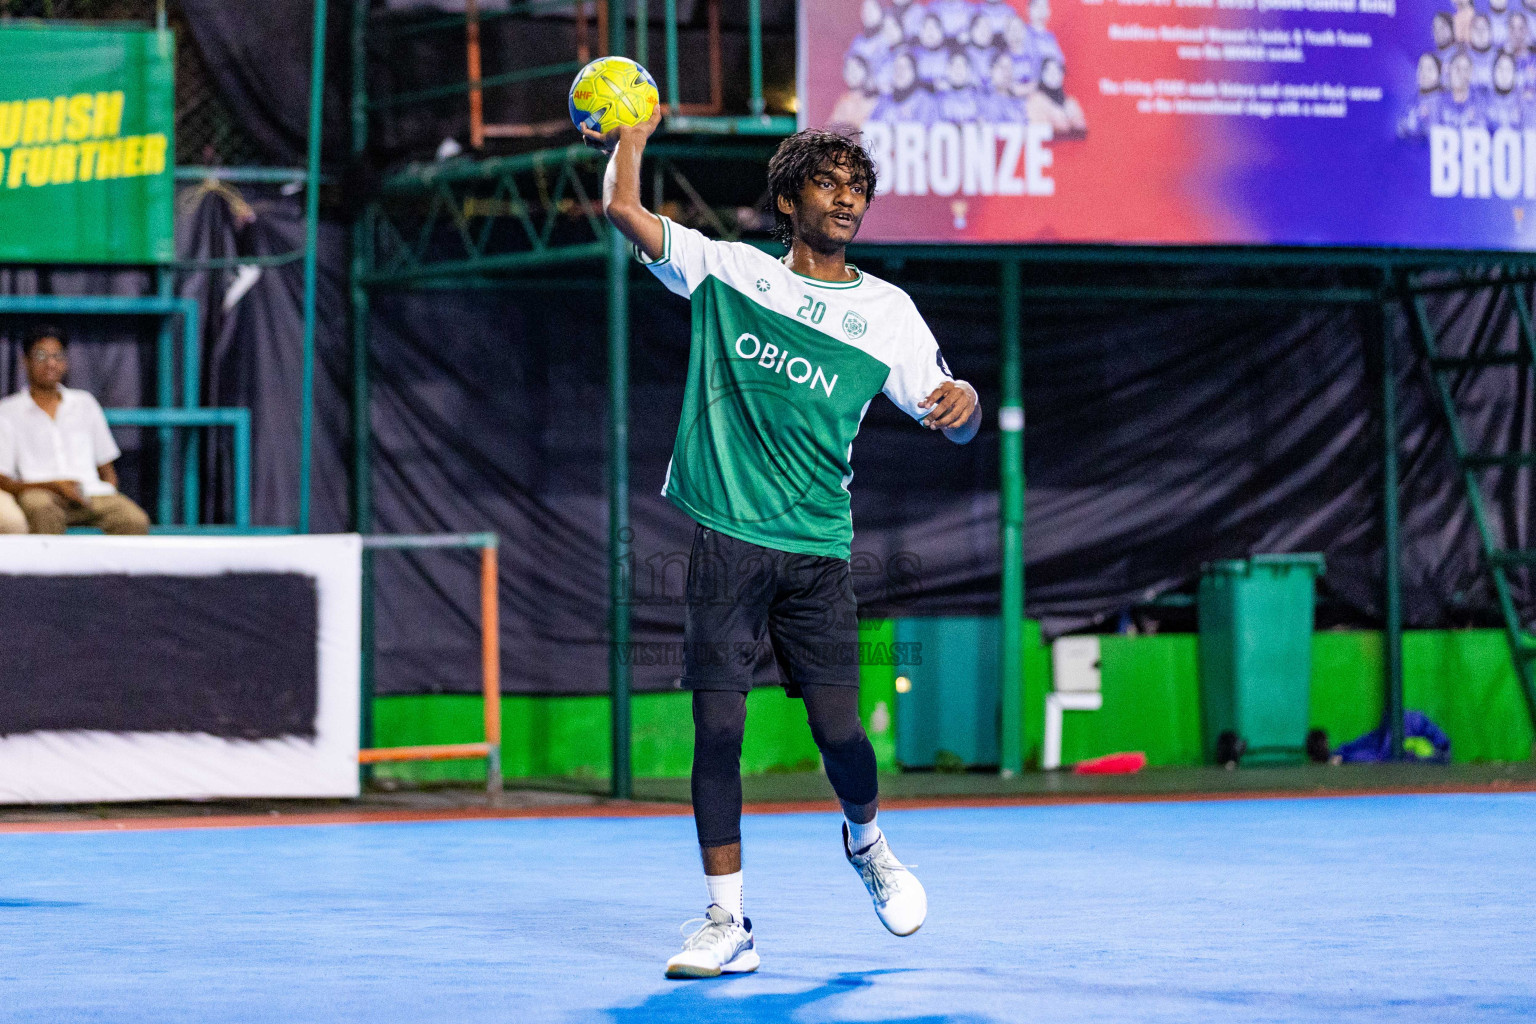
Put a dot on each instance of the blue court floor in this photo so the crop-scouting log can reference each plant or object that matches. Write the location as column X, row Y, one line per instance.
column 1416, row 908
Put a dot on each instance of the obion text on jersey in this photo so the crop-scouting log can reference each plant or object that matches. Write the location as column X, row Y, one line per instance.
column 797, row 368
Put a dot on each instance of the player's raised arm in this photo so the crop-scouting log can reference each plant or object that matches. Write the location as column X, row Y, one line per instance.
column 621, row 184
column 921, row 385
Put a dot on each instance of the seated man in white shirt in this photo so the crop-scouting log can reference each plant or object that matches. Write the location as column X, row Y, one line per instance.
column 63, row 451
column 12, row 520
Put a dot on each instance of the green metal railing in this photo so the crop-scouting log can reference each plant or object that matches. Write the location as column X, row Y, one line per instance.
column 311, row 257
column 242, row 175
column 239, row 420
column 1498, row 559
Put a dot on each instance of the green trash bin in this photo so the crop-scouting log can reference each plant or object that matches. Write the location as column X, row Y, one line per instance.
column 1256, row 657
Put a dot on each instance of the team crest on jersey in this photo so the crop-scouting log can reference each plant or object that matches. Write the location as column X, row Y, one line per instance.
column 762, row 284
column 854, row 325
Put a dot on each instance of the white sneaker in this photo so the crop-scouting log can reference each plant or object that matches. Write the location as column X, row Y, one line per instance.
column 900, row 901
column 722, row 946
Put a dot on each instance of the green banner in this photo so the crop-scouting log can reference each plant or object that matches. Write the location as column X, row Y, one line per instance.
column 86, row 145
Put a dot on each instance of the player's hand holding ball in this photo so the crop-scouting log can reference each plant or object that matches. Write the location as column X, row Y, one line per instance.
column 607, row 143
column 614, row 96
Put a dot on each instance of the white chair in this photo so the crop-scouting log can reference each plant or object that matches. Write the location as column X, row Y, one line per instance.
column 1077, row 680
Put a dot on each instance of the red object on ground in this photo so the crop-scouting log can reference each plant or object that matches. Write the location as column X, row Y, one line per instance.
column 1112, row 764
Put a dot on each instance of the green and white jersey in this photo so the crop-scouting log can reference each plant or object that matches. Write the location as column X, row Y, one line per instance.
column 780, row 373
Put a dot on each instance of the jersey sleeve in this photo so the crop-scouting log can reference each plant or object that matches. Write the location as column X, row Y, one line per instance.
column 687, row 257
column 918, row 368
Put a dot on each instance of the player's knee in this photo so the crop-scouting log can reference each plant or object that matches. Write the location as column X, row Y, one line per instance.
column 717, row 737
column 839, row 736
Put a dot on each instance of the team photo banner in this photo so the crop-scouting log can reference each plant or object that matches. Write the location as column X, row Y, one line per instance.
column 86, row 150
column 1408, row 123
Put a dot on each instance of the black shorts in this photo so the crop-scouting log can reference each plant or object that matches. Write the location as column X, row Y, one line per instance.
column 751, row 609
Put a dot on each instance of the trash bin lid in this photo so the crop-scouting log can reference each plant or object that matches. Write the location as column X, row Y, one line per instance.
column 1243, row 566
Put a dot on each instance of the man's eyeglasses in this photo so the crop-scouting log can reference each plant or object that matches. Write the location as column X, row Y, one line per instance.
column 50, row 357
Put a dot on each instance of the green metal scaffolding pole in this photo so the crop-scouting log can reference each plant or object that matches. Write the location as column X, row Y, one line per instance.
column 619, row 533
column 165, row 288
column 362, row 479
column 642, row 34
column 1391, row 518
column 755, row 56
column 671, row 48
column 1010, row 417
column 311, row 241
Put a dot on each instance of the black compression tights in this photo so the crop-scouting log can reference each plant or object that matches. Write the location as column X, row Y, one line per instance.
column 719, row 721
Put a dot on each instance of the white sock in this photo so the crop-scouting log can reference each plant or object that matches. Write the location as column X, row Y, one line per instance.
column 725, row 890
column 861, row 837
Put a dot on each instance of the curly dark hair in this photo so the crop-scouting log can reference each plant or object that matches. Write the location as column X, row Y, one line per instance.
column 806, row 152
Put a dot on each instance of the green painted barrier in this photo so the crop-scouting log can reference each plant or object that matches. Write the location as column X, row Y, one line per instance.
column 1461, row 678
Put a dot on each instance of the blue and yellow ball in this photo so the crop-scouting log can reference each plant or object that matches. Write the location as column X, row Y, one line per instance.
column 610, row 92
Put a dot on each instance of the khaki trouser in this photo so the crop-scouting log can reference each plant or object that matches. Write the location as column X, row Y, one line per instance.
column 12, row 519
column 112, row 513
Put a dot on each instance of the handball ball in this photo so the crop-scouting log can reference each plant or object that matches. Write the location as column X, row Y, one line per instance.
column 612, row 91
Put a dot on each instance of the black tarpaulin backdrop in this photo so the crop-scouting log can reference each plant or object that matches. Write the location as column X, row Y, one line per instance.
column 259, row 57
column 253, row 354
column 1159, row 436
